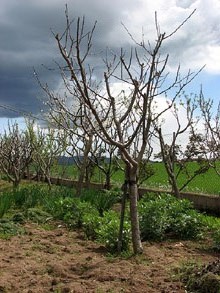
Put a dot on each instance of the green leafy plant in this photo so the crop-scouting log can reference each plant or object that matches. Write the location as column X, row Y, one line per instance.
column 154, row 221
column 61, row 206
column 9, row 229
column 74, row 217
column 164, row 216
column 91, row 223
column 107, row 233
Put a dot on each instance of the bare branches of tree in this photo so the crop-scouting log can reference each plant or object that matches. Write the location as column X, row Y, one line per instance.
column 15, row 153
column 122, row 119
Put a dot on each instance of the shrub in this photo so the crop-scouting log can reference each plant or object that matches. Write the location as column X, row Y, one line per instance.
column 60, row 206
column 91, row 223
column 107, row 233
column 70, row 210
column 154, row 220
column 74, row 217
column 188, row 225
column 166, row 215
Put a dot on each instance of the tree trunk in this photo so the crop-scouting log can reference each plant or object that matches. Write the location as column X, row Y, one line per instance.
column 107, row 181
column 122, row 216
column 175, row 188
column 82, row 171
column 135, row 228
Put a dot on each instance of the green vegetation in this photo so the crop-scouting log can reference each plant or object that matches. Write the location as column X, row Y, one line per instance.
column 161, row 217
column 8, row 229
column 205, row 183
column 165, row 216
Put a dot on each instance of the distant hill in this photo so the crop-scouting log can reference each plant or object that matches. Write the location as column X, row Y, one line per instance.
column 63, row 160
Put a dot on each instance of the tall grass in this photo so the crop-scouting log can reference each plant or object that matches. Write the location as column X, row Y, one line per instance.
column 6, row 201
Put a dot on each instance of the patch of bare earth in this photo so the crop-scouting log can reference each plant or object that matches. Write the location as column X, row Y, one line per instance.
column 60, row 260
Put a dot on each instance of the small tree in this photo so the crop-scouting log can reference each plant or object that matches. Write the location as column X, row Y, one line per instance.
column 15, row 153
column 209, row 139
column 104, row 157
column 174, row 158
column 46, row 146
column 130, row 114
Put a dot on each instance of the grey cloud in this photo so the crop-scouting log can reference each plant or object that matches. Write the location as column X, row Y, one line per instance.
column 26, row 42
column 184, row 3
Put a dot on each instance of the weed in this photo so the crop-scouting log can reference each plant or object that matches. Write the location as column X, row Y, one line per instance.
column 36, row 215
column 200, row 278
column 6, row 201
column 9, row 229
column 216, row 239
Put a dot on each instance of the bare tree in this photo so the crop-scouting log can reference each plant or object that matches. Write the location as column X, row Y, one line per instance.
column 174, row 158
column 144, row 71
column 15, row 153
column 104, row 157
column 210, row 143
column 47, row 146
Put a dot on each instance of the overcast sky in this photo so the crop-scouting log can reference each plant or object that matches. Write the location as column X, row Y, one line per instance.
column 26, row 41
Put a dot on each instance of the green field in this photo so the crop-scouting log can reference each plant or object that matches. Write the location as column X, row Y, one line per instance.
column 204, row 183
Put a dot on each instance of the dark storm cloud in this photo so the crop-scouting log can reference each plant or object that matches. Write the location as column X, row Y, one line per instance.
column 26, row 42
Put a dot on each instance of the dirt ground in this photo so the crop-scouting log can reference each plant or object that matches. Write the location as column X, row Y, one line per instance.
column 60, row 260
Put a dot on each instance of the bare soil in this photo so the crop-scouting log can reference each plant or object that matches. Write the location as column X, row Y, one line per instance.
column 60, row 260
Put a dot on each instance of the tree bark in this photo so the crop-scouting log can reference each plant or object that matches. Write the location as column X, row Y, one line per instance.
column 135, row 227
column 122, row 216
column 82, row 171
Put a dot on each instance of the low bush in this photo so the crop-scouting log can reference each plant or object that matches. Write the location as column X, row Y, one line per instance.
column 163, row 216
column 74, row 217
column 91, row 223
column 108, row 230
column 60, row 206
column 70, row 210
column 37, row 215
column 9, row 229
